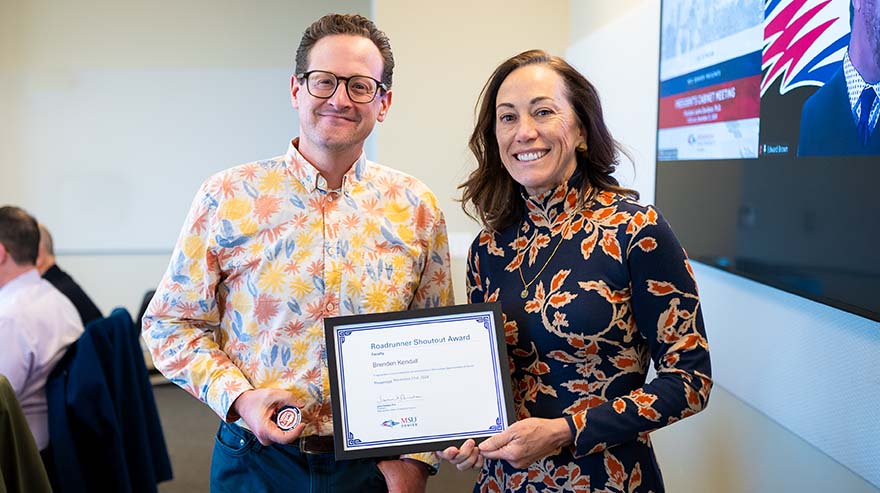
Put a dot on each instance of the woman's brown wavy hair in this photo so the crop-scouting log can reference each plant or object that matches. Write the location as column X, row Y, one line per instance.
column 491, row 192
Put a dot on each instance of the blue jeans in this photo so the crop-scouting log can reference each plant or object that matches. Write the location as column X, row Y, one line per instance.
column 240, row 464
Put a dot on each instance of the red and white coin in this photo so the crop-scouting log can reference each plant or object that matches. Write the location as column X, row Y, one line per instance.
column 288, row 417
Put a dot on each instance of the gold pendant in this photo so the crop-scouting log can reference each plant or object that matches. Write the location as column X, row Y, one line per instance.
column 524, row 294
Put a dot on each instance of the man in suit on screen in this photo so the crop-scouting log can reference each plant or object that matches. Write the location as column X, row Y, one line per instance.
column 841, row 117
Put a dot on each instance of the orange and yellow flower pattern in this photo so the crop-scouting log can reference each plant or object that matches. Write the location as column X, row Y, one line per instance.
column 266, row 252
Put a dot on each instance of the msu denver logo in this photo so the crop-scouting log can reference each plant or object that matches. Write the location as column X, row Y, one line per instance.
column 405, row 422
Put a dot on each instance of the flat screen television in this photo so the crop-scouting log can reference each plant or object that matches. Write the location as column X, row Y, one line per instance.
column 763, row 168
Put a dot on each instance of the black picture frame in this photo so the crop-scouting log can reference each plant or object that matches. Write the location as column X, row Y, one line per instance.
column 346, row 445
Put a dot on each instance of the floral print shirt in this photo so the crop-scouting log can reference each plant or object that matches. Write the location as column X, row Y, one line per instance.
column 266, row 252
column 617, row 293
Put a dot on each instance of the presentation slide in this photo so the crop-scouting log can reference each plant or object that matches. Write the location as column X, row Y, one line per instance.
column 710, row 79
column 749, row 79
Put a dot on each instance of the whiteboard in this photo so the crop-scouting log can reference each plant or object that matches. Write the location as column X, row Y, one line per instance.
column 113, row 158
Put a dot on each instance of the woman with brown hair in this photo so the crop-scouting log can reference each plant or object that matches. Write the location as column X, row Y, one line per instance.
column 592, row 284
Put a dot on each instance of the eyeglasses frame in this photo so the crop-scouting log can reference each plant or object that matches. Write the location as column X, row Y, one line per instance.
column 304, row 78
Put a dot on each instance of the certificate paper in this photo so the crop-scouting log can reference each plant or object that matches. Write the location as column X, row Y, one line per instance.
column 417, row 381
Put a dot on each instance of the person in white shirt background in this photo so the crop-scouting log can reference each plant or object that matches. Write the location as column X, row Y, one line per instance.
column 37, row 322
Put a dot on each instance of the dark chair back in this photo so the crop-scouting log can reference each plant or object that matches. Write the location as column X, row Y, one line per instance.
column 145, row 302
column 105, row 418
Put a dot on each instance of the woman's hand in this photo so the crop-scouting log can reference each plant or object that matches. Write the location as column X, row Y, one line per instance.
column 526, row 441
column 466, row 457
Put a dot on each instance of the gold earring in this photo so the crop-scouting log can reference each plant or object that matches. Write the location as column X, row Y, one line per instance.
column 582, row 148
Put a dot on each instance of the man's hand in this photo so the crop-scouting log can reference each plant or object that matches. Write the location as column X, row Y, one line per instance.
column 466, row 457
column 257, row 408
column 404, row 475
column 528, row 440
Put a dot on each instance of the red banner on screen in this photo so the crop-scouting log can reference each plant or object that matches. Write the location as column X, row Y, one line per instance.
column 729, row 101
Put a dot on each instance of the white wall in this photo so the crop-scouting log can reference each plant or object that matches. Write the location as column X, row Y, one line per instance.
column 618, row 67
column 796, row 396
column 115, row 112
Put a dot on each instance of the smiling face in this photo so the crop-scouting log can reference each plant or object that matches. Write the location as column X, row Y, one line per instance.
column 536, row 128
column 337, row 126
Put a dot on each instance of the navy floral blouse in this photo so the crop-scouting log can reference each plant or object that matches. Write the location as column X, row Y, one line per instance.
column 617, row 293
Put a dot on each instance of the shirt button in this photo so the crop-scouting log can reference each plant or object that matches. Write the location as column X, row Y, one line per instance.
column 330, row 307
column 241, row 442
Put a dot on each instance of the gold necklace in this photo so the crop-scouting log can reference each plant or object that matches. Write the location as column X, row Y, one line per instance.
column 525, row 292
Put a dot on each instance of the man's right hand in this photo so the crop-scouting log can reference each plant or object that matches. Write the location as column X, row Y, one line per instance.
column 257, row 408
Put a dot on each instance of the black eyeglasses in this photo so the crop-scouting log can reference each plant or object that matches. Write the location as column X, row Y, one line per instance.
column 360, row 88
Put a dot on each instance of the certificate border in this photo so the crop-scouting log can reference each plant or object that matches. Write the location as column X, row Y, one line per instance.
column 332, row 328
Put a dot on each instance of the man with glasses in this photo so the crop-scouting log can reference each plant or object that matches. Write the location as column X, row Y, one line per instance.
column 272, row 247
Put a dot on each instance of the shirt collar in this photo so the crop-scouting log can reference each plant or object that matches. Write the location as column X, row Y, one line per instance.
column 30, row 277
column 855, row 84
column 311, row 179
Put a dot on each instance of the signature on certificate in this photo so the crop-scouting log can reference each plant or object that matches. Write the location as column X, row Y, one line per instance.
column 398, row 397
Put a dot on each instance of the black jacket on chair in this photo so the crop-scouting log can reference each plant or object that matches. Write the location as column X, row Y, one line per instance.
column 104, row 427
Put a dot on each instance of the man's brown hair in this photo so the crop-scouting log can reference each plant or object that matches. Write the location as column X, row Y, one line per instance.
column 346, row 24
column 19, row 234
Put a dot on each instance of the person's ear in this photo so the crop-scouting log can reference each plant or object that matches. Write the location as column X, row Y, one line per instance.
column 385, row 105
column 294, row 91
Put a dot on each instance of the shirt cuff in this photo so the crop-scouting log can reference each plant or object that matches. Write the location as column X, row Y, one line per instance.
column 428, row 459
column 221, row 400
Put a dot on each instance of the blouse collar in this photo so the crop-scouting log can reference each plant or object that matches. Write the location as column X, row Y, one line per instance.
column 546, row 209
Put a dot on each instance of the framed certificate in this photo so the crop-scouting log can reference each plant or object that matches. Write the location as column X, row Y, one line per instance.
column 417, row 381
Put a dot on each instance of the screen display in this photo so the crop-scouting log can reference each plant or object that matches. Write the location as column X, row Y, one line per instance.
column 768, row 148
